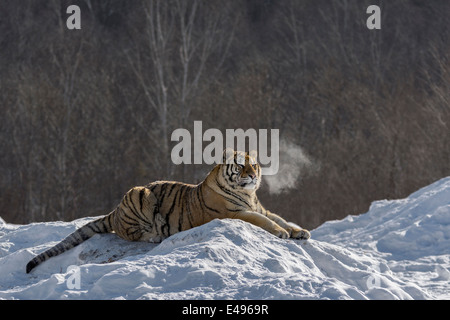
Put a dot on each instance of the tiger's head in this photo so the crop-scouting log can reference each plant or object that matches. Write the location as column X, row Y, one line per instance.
column 241, row 170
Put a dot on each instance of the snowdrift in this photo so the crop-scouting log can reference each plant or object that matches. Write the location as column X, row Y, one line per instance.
column 397, row 250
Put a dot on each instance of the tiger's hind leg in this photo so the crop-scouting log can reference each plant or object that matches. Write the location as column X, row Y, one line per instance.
column 135, row 216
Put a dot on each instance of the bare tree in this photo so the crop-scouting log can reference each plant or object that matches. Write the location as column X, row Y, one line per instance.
column 179, row 40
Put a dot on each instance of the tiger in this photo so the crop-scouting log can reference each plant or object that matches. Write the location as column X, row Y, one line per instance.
column 160, row 209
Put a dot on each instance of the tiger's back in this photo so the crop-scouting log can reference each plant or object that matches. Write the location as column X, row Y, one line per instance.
column 161, row 209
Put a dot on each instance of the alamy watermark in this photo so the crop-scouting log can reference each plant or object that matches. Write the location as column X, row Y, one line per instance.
column 73, row 22
column 258, row 142
column 74, row 279
column 374, row 281
column 374, row 20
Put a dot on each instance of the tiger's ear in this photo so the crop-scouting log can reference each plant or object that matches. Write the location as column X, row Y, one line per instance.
column 228, row 155
column 253, row 156
column 240, row 157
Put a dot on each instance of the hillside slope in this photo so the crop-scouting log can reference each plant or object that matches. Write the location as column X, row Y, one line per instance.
column 397, row 250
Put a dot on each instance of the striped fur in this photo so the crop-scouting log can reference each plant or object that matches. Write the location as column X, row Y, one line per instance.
column 162, row 208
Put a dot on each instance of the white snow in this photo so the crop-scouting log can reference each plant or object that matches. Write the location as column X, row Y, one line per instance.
column 397, row 250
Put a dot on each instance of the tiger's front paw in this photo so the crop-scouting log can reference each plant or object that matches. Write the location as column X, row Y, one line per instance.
column 301, row 234
column 280, row 232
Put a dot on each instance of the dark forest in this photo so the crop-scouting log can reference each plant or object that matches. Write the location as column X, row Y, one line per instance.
column 87, row 114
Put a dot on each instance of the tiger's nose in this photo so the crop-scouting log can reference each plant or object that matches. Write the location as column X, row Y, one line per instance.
column 251, row 175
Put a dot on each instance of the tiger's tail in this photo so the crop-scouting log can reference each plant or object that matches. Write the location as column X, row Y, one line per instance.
column 101, row 225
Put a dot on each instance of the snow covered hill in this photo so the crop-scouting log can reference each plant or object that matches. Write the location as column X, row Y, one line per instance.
column 397, row 250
